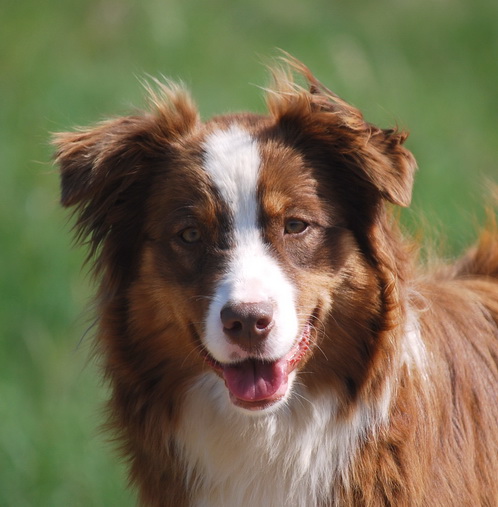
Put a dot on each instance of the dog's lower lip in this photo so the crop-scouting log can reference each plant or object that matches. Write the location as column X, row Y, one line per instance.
column 258, row 399
column 255, row 405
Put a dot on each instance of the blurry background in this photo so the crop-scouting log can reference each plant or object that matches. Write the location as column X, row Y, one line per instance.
column 430, row 66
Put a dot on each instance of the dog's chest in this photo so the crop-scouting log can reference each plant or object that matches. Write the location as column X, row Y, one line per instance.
column 290, row 457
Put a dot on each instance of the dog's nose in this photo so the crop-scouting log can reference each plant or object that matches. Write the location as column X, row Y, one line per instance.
column 247, row 324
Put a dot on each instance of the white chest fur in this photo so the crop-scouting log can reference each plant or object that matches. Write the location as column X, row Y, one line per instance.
column 290, row 457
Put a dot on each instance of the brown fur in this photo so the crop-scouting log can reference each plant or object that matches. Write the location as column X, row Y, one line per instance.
column 126, row 179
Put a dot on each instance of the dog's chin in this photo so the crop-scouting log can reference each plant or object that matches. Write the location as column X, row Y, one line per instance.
column 260, row 385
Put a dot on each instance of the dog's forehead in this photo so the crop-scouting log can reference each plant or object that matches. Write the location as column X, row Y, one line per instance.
column 244, row 163
column 232, row 160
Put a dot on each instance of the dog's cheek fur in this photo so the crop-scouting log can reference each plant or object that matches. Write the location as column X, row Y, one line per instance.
column 150, row 362
column 349, row 343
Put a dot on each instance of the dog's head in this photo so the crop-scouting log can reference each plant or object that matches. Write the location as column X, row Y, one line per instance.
column 242, row 245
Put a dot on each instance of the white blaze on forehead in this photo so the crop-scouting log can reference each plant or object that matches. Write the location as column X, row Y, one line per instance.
column 252, row 275
column 232, row 159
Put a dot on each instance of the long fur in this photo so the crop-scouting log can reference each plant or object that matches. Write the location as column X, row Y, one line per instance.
column 395, row 403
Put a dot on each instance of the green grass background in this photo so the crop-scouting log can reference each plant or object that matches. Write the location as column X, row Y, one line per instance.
column 429, row 66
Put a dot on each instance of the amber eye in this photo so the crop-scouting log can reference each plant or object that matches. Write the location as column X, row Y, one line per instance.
column 294, row 226
column 190, row 235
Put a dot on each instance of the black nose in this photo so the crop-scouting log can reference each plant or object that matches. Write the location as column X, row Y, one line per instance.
column 247, row 324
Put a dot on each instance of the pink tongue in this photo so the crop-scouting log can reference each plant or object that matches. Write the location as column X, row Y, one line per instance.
column 254, row 380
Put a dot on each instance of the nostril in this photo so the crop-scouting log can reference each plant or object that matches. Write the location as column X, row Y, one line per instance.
column 232, row 325
column 263, row 323
column 231, row 319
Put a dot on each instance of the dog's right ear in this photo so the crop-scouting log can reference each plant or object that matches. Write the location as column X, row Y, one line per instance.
column 97, row 163
column 104, row 158
column 106, row 169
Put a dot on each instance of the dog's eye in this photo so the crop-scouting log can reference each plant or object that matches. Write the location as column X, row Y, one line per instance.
column 190, row 235
column 294, row 226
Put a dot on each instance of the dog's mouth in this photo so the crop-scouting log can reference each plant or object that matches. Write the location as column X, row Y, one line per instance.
column 255, row 384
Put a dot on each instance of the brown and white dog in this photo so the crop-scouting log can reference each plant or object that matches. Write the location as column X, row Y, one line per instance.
column 265, row 332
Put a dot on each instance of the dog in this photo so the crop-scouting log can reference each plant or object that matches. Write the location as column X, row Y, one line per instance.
column 267, row 332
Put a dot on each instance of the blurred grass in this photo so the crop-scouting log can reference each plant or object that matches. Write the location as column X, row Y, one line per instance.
column 429, row 66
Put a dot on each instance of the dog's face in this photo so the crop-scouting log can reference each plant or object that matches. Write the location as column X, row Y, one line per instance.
column 234, row 245
column 241, row 227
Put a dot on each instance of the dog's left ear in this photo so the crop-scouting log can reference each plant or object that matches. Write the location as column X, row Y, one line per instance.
column 388, row 165
column 371, row 156
column 378, row 154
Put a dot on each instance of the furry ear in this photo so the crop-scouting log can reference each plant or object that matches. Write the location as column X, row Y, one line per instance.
column 371, row 155
column 93, row 160
column 107, row 170
column 97, row 163
column 390, row 166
